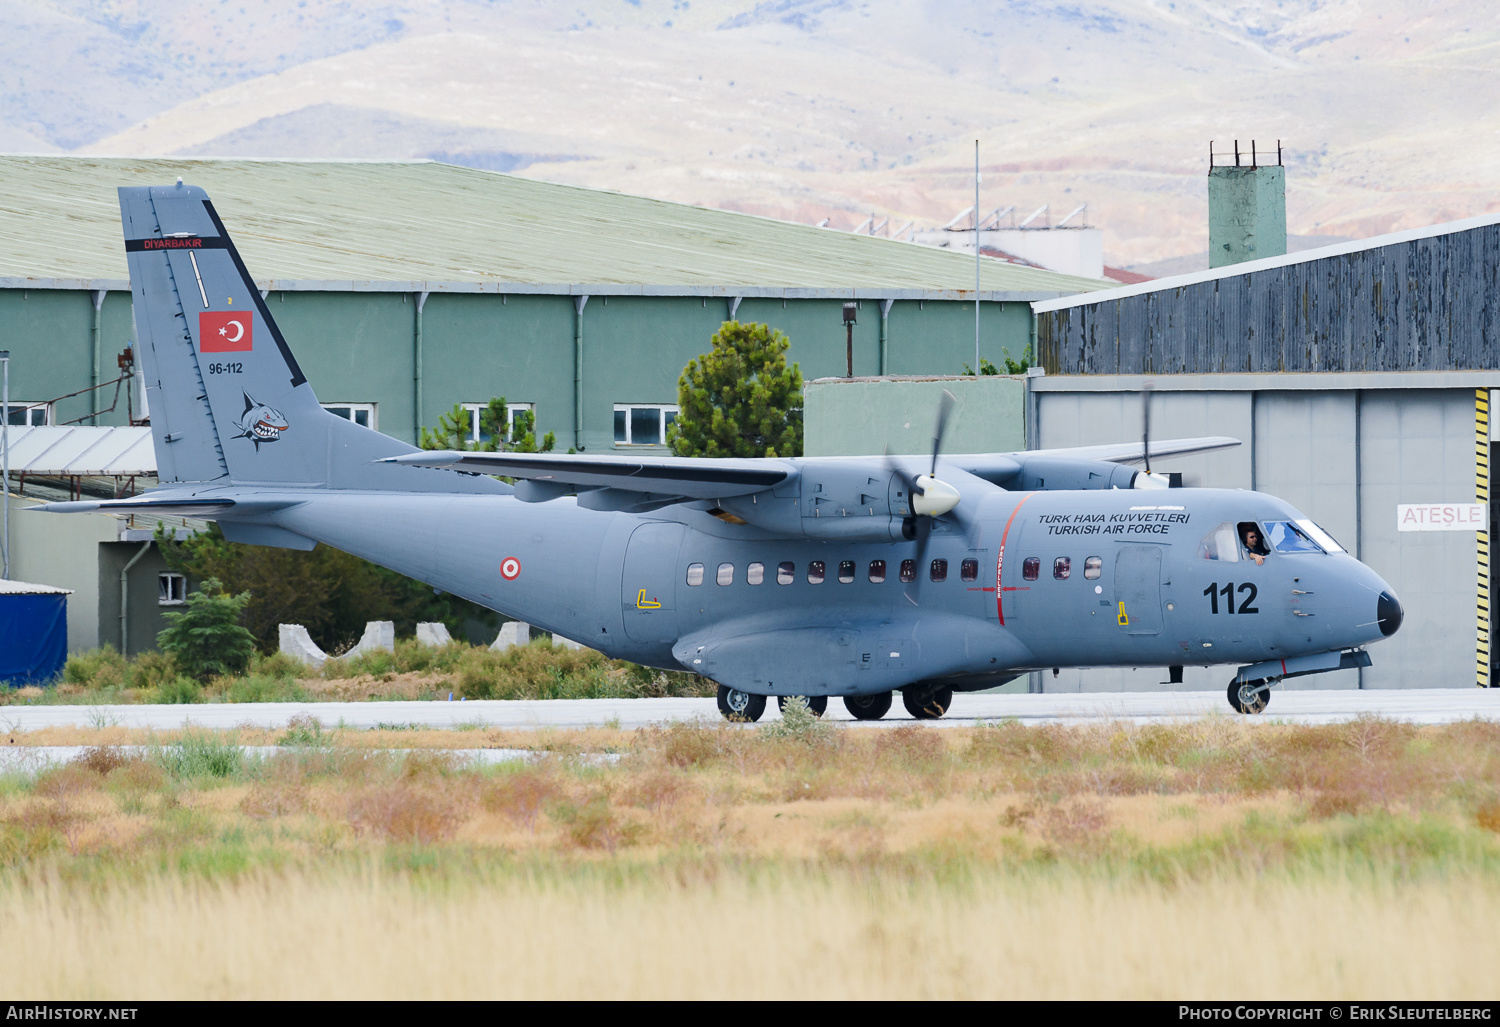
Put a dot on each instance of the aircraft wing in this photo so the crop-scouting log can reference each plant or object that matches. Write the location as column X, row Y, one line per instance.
column 664, row 476
column 1135, row 452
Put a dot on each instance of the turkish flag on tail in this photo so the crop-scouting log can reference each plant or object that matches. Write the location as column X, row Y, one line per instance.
column 224, row 331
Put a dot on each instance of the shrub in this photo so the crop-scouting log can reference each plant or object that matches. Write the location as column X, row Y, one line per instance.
column 202, row 755
column 179, row 689
column 799, row 724
column 304, row 730
column 280, row 665
column 97, row 668
column 206, row 639
column 152, row 670
column 405, row 812
column 521, row 794
column 595, row 824
column 264, row 688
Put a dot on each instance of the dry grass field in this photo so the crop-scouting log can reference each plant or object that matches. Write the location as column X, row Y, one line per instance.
column 1214, row 859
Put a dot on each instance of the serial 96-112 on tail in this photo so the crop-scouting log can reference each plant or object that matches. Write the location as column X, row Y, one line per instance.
column 855, row 577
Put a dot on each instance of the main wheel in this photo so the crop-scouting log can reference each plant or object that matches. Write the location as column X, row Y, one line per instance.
column 740, row 706
column 1245, row 699
column 868, row 707
column 926, row 703
column 817, row 704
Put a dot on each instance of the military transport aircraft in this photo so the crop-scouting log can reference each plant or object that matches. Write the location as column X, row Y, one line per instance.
column 815, row 577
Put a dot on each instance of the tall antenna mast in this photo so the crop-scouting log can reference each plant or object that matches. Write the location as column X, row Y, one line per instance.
column 976, row 257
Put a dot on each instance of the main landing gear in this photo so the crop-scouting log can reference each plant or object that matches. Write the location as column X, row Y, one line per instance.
column 868, row 707
column 924, row 702
column 1250, row 697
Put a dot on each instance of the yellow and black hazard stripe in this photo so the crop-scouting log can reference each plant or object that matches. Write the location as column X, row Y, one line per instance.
column 1482, row 561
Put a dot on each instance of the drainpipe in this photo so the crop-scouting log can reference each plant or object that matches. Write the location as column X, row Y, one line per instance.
column 125, row 598
column 416, row 368
column 99, row 295
column 885, row 314
column 579, row 302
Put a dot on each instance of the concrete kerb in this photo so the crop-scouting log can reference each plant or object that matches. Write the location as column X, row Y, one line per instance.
column 294, row 640
column 512, row 633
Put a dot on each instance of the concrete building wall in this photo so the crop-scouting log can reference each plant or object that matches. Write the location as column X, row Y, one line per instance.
column 63, row 550
column 146, row 615
column 850, row 417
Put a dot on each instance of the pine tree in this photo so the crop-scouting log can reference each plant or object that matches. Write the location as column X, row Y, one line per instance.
column 740, row 399
column 454, row 429
column 207, row 639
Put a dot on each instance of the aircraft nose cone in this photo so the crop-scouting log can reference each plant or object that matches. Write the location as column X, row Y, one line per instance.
column 1388, row 613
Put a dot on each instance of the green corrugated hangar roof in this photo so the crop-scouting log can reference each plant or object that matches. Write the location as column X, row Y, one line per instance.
column 423, row 224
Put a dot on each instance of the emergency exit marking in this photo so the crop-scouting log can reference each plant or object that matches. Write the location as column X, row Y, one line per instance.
column 1442, row 517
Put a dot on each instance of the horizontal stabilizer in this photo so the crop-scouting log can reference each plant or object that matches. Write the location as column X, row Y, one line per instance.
column 185, row 506
column 668, row 476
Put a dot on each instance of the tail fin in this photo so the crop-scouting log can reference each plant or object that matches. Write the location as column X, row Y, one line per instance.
column 228, row 402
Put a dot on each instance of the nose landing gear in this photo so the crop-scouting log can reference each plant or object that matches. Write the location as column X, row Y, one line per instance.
column 1251, row 696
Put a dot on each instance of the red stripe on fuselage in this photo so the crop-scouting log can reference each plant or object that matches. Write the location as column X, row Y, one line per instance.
column 1000, row 560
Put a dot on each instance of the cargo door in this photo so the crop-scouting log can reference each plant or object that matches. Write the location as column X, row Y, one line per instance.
column 648, row 588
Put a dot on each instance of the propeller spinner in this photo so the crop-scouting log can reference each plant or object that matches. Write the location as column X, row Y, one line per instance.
column 930, row 496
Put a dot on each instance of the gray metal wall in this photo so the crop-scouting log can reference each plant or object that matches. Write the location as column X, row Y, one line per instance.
column 1345, row 457
column 1428, row 304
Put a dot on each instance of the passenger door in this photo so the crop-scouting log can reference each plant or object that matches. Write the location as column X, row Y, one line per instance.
column 1138, row 588
column 649, row 585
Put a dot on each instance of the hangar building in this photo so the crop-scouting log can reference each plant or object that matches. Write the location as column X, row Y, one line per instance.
column 407, row 287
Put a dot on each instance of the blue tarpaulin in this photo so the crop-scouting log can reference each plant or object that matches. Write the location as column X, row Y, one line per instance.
column 33, row 633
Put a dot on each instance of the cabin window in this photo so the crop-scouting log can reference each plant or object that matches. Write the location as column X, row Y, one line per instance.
column 755, row 574
column 726, row 574
column 1031, row 568
column 877, row 571
column 969, row 570
column 938, row 571
column 815, row 573
column 908, row 570
column 846, row 571
column 1093, row 567
column 1220, row 544
column 695, row 574
column 171, row 590
column 1286, row 537
column 786, row 571
column 1062, row 568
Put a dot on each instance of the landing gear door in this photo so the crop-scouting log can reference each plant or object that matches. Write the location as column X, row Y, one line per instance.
column 1138, row 589
column 648, row 588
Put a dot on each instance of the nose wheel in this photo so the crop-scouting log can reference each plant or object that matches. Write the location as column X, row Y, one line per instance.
column 1252, row 697
column 741, row 706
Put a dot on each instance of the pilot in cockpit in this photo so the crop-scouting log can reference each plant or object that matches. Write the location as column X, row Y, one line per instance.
column 1255, row 546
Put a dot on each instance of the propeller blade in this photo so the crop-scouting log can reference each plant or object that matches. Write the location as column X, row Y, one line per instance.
column 1146, row 423
column 945, row 404
column 924, row 532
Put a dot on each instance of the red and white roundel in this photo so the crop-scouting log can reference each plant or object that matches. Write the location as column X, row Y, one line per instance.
column 510, row 568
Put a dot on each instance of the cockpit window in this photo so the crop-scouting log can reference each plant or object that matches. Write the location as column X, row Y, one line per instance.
column 1220, row 544
column 1287, row 537
column 1253, row 539
column 1321, row 537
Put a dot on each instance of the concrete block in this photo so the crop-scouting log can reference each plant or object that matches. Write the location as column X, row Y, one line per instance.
column 294, row 640
column 433, row 634
column 379, row 634
column 566, row 643
column 512, row 633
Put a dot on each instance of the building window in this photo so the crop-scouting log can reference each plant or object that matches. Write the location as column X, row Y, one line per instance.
column 643, row 424
column 726, row 574
column 362, row 414
column 695, row 574
column 171, row 589
column 525, row 412
column 755, row 574
column 969, row 570
column 34, row 415
column 785, row 572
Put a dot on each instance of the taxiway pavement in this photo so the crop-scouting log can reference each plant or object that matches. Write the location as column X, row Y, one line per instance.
column 1417, row 705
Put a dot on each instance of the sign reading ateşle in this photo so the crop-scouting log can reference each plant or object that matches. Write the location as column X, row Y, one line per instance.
column 1442, row 517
